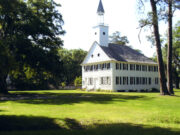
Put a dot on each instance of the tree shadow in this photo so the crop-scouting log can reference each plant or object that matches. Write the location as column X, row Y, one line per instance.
column 71, row 98
column 129, row 129
column 20, row 125
column 1, row 110
column 13, row 123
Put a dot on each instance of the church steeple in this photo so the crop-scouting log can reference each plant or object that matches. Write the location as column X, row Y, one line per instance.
column 101, row 30
column 100, row 9
column 100, row 12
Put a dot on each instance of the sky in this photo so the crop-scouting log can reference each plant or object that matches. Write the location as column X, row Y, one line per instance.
column 120, row 15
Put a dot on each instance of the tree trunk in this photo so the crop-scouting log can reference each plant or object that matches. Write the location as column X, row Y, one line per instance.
column 169, row 57
column 177, row 83
column 163, row 87
column 3, row 85
column 176, row 79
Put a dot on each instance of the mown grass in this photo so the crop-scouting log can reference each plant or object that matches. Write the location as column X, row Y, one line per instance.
column 73, row 112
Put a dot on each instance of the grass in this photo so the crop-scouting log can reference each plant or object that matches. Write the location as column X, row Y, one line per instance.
column 72, row 112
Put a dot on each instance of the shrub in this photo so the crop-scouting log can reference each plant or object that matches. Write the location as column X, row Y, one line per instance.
column 78, row 81
column 63, row 84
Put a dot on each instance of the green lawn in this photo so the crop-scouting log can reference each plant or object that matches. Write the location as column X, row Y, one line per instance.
column 72, row 112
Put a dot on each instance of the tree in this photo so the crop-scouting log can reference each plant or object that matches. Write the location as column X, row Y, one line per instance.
column 29, row 38
column 72, row 60
column 164, row 10
column 163, row 88
column 153, row 20
column 170, row 42
column 171, row 4
column 175, row 54
column 116, row 38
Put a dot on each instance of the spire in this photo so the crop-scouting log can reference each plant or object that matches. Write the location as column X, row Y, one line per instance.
column 100, row 9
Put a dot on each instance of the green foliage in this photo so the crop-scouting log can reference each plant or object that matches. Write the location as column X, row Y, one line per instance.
column 30, row 33
column 116, row 38
column 175, row 53
column 176, row 45
column 72, row 112
column 72, row 60
column 63, row 84
column 78, row 81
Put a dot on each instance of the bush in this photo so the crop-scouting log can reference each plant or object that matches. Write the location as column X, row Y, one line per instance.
column 63, row 84
column 78, row 81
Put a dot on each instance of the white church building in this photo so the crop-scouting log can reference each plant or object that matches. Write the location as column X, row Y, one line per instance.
column 116, row 67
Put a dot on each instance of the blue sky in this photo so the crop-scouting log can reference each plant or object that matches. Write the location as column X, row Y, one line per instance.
column 121, row 15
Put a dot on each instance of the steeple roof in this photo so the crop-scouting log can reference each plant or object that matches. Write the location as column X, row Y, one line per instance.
column 100, row 7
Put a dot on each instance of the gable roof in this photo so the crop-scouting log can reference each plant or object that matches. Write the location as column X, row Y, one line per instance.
column 100, row 7
column 125, row 53
column 95, row 50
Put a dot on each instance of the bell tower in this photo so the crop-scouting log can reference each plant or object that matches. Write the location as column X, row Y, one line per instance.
column 101, row 31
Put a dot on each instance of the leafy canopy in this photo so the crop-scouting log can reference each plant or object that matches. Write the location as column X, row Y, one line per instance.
column 29, row 40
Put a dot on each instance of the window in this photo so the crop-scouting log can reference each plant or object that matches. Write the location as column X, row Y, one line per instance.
column 87, row 68
column 95, row 33
column 132, row 80
column 149, row 81
column 137, row 80
column 125, row 80
column 108, row 80
column 91, row 68
column 156, row 80
column 132, row 66
column 150, row 68
column 98, row 54
column 105, row 80
column 104, row 65
column 101, row 80
column 104, row 33
column 144, row 68
column 137, row 67
column 140, row 80
column 117, row 80
column 125, row 66
column 90, row 81
column 108, row 65
column 143, row 80
column 95, row 67
column 117, row 65
column 92, row 55
column 155, row 69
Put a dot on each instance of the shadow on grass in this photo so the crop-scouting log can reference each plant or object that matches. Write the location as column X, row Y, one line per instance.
column 1, row 110
column 23, row 125
column 71, row 98
column 11, row 123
